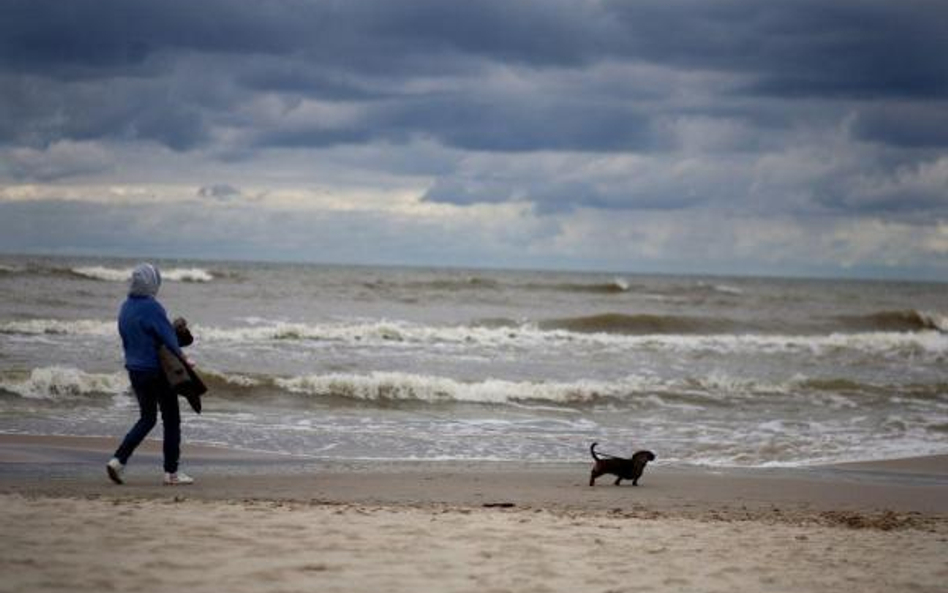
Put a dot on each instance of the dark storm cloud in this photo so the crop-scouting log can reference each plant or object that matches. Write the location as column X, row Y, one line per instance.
column 518, row 124
column 560, row 197
column 800, row 47
column 557, row 196
column 297, row 77
column 470, row 191
column 866, row 46
column 362, row 50
column 909, row 192
column 694, row 81
column 359, row 34
column 912, row 126
column 64, row 38
column 35, row 112
column 485, row 123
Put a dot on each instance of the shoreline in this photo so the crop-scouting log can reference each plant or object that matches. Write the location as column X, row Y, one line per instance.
column 255, row 523
column 18, row 448
column 74, row 466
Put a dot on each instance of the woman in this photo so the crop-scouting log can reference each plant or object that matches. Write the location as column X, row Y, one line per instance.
column 144, row 326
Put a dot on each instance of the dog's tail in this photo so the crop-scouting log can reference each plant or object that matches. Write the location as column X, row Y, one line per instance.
column 600, row 456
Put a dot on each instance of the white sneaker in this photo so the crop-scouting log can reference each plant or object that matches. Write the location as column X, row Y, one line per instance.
column 178, row 479
column 115, row 469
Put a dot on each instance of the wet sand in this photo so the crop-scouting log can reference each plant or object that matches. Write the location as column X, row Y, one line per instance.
column 259, row 522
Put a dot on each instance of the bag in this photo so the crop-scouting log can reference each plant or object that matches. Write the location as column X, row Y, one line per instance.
column 182, row 332
column 182, row 378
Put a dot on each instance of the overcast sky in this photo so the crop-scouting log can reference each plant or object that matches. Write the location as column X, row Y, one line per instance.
column 738, row 136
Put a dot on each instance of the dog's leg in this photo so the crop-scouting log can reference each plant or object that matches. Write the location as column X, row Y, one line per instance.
column 592, row 477
column 619, row 479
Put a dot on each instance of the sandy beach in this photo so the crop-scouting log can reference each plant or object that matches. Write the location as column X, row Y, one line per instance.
column 430, row 265
column 257, row 522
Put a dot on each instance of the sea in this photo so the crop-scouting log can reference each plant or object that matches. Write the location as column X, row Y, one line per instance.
column 387, row 363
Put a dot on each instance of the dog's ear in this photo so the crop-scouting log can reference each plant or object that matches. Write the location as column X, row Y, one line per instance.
column 643, row 456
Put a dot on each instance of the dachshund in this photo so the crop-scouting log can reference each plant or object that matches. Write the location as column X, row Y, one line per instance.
column 625, row 469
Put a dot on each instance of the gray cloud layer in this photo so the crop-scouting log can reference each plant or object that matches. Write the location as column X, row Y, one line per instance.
column 113, row 62
column 806, row 108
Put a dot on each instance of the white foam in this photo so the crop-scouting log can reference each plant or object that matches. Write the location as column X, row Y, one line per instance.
column 528, row 337
column 718, row 383
column 632, row 391
column 82, row 327
column 103, row 273
column 58, row 383
column 187, row 275
column 378, row 331
column 236, row 380
column 642, row 390
column 394, row 386
column 867, row 342
column 936, row 319
column 123, row 274
column 722, row 288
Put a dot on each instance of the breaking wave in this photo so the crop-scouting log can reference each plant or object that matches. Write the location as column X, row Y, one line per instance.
column 615, row 286
column 634, row 391
column 569, row 333
column 908, row 320
column 393, row 386
column 58, row 383
column 8, row 269
column 123, row 274
column 529, row 336
column 441, row 284
column 720, row 288
column 643, row 324
column 106, row 273
column 82, row 327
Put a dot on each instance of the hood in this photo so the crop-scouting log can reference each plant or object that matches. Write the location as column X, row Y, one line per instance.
column 145, row 281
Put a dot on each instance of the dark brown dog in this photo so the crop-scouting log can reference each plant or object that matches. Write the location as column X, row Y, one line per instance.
column 625, row 469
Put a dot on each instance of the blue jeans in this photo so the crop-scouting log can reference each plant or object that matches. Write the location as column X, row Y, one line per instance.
column 153, row 393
